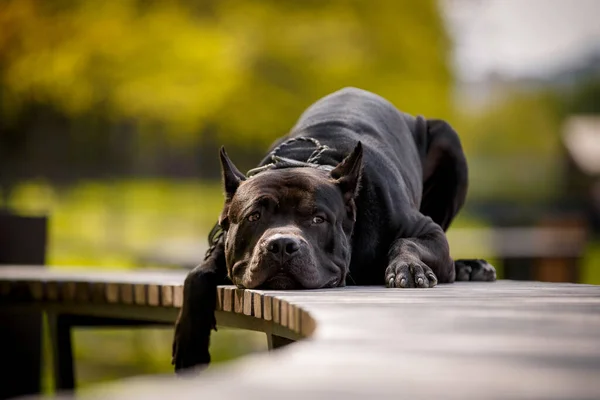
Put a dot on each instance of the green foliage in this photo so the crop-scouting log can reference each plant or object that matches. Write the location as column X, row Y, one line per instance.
column 519, row 123
column 397, row 49
column 585, row 98
column 513, row 146
column 114, row 224
column 155, row 64
column 246, row 69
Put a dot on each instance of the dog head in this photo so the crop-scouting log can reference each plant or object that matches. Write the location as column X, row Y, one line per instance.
column 290, row 228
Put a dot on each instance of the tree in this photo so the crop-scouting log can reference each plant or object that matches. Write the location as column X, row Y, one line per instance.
column 228, row 71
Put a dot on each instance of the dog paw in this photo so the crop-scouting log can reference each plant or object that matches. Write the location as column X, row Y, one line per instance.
column 474, row 270
column 190, row 345
column 409, row 274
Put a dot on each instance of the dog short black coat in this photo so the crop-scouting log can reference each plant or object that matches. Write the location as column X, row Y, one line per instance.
column 372, row 210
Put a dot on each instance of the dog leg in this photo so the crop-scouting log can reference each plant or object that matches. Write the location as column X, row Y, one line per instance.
column 474, row 270
column 197, row 315
column 421, row 259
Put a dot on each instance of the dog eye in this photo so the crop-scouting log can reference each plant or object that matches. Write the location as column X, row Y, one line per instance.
column 255, row 216
column 318, row 220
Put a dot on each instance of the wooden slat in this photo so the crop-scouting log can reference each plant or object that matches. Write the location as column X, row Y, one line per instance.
column 267, row 308
column 36, row 290
column 276, row 309
column 112, row 292
column 257, row 304
column 98, row 292
column 307, row 324
column 68, row 290
column 153, row 295
column 139, row 294
column 178, row 296
column 248, row 296
column 283, row 313
column 228, row 299
column 238, row 301
column 83, row 292
column 220, row 300
column 52, row 291
column 126, row 293
column 293, row 318
column 166, row 296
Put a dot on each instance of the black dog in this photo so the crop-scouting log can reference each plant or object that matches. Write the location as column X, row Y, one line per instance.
column 358, row 192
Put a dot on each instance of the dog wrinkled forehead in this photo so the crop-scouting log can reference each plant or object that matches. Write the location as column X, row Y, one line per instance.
column 300, row 185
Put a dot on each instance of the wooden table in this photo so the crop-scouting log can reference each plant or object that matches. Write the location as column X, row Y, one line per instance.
column 467, row 340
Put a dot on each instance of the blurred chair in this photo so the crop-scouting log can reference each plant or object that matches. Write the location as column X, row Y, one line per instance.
column 22, row 241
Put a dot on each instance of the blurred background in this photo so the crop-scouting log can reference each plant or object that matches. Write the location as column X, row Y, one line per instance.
column 111, row 115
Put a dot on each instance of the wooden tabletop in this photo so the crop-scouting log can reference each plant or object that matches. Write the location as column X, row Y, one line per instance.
column 153, row 296
column 496, row 340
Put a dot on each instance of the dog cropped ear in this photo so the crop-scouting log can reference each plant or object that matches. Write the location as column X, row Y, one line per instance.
column 232, row 177
column 347, row 173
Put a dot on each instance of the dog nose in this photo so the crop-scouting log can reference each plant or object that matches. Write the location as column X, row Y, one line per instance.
column 283, row 245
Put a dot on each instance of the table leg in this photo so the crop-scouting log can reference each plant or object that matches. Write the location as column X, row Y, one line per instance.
column 62, row 351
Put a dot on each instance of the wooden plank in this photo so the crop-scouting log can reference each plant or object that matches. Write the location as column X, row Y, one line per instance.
column 238, row 301
column 98, row 291
column 293, row 317
column 112, row 292
column 220, row 299
column 83, row 292
column 139, row 294
column 307, row 323
column 257, row 304
column 228, row 299
column 52, row 291
column 283, row 313
column 68, row 290
column 36, row 290
column 267, row 307
column 126, row 293
column 276, row 309
column 166, row 295
column 178, row 296
column 153, row 295
column 248, row 297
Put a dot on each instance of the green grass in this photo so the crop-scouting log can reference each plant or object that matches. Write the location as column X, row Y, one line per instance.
column 109, row 224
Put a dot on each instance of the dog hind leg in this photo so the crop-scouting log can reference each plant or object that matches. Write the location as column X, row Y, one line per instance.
column 474, row 270
column 445, row 182
column 445, row 172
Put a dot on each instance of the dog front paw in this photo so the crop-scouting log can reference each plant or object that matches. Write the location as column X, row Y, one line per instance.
column 190, row 344
column 409, row 274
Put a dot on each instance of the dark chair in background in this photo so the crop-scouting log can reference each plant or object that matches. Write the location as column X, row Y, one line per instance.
column 22, row 242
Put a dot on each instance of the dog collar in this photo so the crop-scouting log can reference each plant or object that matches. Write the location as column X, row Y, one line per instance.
column 283, row 162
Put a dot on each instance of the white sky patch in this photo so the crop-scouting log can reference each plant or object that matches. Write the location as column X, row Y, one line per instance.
column 520, row 37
